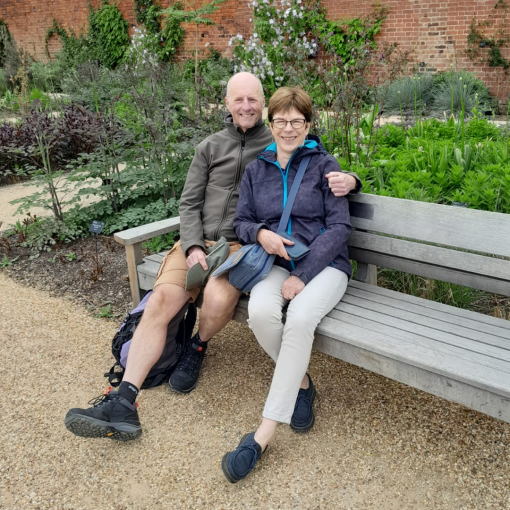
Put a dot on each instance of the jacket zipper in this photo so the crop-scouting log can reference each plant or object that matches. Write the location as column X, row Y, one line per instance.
column 226, row 206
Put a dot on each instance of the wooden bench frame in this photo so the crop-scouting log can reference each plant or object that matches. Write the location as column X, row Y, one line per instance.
column 456, row 354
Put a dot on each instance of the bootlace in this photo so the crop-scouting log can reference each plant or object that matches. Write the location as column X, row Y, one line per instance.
column 302, row 397
column 252, row 450
column 101, row 399
column 190, row 360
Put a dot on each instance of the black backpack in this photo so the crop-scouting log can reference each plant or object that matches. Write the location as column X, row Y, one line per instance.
column 179, row 332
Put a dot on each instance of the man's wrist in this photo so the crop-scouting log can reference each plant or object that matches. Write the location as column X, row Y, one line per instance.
column 193, row 249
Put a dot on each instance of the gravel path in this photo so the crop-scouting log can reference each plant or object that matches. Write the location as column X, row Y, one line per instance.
column 377, row 444
column 8, row 214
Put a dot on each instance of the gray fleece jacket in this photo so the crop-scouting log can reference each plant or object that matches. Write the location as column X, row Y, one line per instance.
column 211, row 192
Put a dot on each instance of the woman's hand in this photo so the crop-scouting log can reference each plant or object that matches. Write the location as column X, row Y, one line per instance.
column 291, row 287
column 273, row 243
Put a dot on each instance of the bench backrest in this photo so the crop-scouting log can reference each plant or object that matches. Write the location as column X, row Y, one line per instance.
column 453, row 244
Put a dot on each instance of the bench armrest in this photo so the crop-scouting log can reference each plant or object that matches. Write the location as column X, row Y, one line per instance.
column 132, row 240
column 145, row 232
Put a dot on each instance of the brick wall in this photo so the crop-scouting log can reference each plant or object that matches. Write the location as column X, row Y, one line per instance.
column 435, row 31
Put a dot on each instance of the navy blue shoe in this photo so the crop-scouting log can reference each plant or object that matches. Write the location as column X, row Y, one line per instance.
column 303, row 418
column 237, row 464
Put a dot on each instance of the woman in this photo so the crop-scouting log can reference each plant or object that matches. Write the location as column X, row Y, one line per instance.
column 311, row 286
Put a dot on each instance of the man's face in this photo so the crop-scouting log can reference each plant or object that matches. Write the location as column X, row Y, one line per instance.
column 245, row 100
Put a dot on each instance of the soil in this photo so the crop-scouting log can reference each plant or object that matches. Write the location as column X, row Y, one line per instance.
column 97, row 280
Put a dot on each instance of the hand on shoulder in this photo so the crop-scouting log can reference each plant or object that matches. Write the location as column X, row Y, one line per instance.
column 340, row 183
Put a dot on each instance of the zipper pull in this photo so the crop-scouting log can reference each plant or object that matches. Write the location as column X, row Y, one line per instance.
column 243, row 141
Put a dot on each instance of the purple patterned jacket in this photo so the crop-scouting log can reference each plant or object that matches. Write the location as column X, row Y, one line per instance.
column 318, row 219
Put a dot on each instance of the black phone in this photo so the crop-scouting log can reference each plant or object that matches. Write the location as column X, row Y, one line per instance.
column 298, row 250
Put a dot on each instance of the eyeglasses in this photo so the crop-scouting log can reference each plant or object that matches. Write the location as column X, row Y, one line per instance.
column 282, row 123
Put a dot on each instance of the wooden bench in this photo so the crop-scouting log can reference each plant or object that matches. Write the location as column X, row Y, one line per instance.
column 453, row 353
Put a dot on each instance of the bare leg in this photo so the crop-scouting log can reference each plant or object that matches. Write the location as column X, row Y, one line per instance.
column 265, row 432
column 220, row 300
column 267, row 428
column 150, row 335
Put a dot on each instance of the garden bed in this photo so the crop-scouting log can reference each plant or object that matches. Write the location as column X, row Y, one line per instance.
column 96, row 280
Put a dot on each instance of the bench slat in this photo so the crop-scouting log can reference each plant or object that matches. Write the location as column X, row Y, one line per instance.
column 424, row 357
column 405, row 330
column 441, row 257
column 471, row 322
column 446, row 225
column 147, row 274
column 400, row 312
column 156, row 257
column 145, row 232
column 443, row 385
column 442, row 349
column 429, row 271
column 377, row 321
column 407, row 298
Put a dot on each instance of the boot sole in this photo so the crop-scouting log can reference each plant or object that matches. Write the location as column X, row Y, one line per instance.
column 90, row 427
column 308, row 426
column 225, row 470
column 180, row 390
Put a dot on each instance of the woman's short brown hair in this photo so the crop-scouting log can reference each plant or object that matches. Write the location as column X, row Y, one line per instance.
column 287, row 98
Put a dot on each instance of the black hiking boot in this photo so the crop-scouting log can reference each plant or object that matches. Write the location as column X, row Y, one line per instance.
column 185, row 376
column 110, row 416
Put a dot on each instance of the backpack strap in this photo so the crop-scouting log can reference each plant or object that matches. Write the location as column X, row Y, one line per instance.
column 115, row 374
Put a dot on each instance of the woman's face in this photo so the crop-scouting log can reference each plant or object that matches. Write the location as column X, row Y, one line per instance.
column 290, row 137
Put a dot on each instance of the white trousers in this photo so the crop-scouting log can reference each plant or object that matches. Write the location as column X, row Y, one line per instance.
column 290, row 344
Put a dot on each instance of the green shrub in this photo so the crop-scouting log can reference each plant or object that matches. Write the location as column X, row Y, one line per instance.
column 458, row 92
column 412, row 94
column 108, row 30
column 106, row 40
column 5, row 40
column 48, row 76
column 3, row 83
column 433, row 290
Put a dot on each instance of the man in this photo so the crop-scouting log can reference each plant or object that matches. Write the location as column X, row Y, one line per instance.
column 206, row 210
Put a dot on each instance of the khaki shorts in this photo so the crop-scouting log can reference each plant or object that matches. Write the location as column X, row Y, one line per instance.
column 173, row 268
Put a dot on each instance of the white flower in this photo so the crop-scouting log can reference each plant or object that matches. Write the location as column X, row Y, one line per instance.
column 271, row 21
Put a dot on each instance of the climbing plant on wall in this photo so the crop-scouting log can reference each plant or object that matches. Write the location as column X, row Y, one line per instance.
column 487, row 38
column 166, row 31
column 148, row 13
column 106, row 39
column 5, row 38
column 109, row 30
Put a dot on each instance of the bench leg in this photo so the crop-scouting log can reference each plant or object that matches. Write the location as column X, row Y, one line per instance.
column 134, row 258
column 366, row 273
